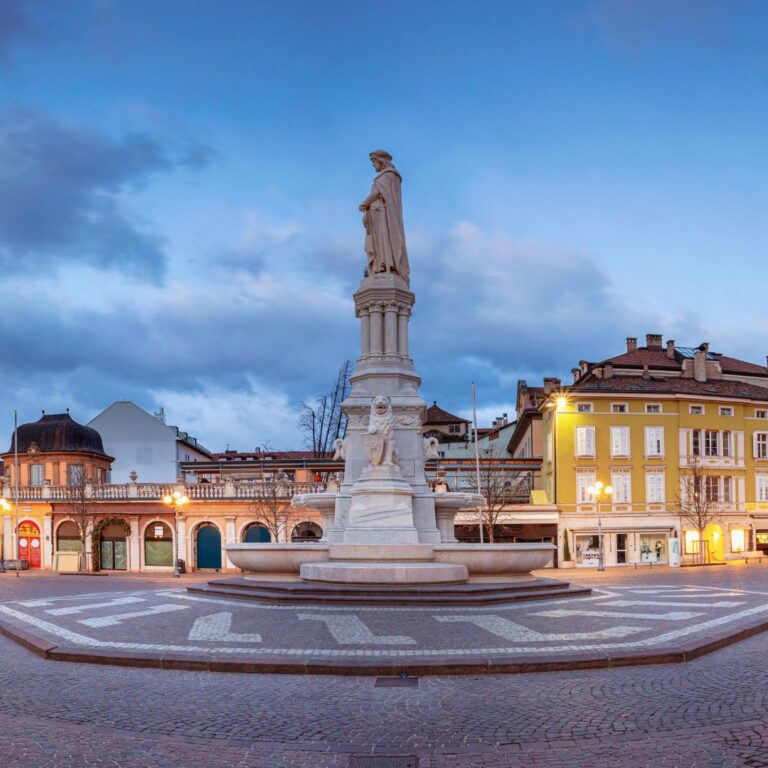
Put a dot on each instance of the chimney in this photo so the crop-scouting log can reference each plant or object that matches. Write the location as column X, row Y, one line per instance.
column 550, row 384
column 653, row 340
column 700, row 363
column 584, row 365
column 577, row 373
column 671, row 349
column 631, row 343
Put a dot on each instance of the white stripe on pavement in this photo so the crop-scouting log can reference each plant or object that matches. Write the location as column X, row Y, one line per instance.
column 92, row 606
column 118, row 618
column 672, row 616
column 718, row 604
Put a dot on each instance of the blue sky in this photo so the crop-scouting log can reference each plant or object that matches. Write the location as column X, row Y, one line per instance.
column 180, row 181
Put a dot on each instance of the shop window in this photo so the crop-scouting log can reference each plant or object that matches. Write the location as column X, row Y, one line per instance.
column 691, row 543
column 587, row 550
column 158, row 545
column 68, row 537
column 653, row 548
column 737, row 540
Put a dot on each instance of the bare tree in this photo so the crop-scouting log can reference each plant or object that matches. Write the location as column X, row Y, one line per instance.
column 82, row 495
column 697, row 500
column 499, row 487
column 272, row 503
column 324, row 422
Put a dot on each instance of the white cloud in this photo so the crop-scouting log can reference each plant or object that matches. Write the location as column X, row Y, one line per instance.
column 244, row 419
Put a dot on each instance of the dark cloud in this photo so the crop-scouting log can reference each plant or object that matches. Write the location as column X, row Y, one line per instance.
column 488, row 309
column 60, row 192
column 14, row 25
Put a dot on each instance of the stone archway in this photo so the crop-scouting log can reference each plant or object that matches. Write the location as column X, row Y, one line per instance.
column 108, row 530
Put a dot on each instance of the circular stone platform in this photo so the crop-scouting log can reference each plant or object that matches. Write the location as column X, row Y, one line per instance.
column 384, row 572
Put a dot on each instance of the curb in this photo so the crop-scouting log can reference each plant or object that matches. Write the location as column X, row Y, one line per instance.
column 469, row 666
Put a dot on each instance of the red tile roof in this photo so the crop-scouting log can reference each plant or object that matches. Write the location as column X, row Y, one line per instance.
column 654, row 384
column 436, row 415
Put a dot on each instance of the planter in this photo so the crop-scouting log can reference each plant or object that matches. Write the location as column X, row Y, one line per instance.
column 496, row 558
column 275, row 558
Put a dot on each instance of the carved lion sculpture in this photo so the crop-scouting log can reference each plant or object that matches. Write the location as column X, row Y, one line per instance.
column 382, row 422
column 340, row 448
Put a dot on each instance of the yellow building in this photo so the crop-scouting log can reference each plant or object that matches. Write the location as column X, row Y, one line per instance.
column 681, row 436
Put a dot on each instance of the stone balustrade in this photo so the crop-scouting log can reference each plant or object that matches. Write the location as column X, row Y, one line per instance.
column 227, row 491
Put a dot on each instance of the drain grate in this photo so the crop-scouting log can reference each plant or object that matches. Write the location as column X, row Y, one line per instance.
column 383, row 761
column 396, row 682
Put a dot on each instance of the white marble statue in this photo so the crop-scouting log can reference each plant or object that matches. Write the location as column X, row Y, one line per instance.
column 380, row 441
column 430, row 448
column 340, row 448
column 383, row 219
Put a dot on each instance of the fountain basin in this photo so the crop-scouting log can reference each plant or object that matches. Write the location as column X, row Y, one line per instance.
column 275, row 558
column 496, row 558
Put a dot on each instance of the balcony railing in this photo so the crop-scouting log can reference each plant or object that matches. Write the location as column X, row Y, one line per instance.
column 244, row 490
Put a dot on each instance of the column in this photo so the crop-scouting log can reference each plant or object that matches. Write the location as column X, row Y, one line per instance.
column 230, row 537
column 390, row 329
column 45, row 543
column 377, row 329
column 365, row 332
column 402, row 331
column 134, row 546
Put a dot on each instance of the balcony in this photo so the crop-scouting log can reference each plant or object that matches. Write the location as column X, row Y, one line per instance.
column 255, row 490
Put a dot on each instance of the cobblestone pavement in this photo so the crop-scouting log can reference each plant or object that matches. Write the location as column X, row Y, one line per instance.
column 710, row 712
column 631, row 614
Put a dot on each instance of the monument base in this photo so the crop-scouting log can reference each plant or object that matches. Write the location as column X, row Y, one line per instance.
column 384, row 572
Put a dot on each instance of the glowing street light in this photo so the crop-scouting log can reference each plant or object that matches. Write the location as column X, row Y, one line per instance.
column 598, row 492
column 6, row 509
column 177, row 500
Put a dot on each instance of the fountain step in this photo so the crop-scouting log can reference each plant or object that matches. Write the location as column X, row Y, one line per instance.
column 467, row 594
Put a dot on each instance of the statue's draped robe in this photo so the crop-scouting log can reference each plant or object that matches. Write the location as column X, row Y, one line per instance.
column 385, row 236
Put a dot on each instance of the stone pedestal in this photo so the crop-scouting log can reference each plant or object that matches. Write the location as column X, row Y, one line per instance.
column 381, row 509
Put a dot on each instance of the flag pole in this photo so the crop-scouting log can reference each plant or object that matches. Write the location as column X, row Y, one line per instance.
column 477, row 457
column 16, row 486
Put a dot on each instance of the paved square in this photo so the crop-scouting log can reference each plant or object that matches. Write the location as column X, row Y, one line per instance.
column 712, row 711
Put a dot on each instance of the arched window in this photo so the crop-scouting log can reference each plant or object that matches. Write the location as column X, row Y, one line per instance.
column 307, row 531
column 68, row 537
column 256, row 533
column 158, row 544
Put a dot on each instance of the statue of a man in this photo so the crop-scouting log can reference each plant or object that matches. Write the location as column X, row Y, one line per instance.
column 383, row 219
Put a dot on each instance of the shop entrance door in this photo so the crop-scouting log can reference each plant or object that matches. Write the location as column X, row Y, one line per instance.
column 621, row 548
column 208, row 547
column 29, row 543
column 114, row 555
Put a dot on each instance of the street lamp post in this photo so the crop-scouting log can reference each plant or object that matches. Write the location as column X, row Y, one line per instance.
column 598, row 492
column 6, row 508
column 177, row 500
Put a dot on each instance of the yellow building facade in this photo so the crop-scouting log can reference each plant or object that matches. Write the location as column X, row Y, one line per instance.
column 653, row 424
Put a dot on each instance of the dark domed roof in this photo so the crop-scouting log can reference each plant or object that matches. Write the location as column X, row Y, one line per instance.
column 58, row 432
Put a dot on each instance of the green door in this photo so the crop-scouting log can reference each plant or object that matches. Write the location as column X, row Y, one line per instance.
column 208, row 547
